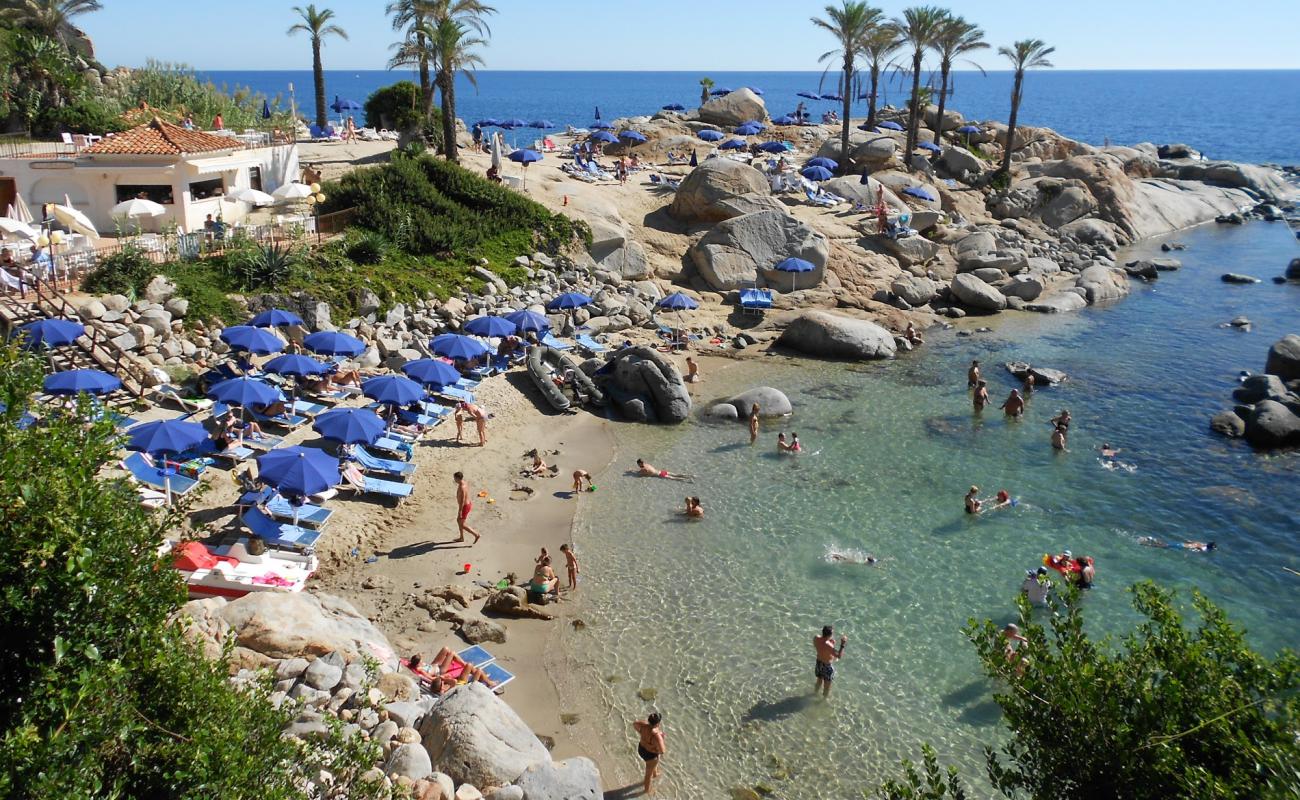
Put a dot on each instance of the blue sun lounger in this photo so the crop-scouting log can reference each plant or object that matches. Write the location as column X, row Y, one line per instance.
column 455, row 393
column 283, row 536
column 368, row 485
column 309, row 516
column 498, row 674
column 153, row 477
column 285, row 420
column 394, row 445
column 308, row 408
column 384, row 466
column 476, row 656
column 550, row 341
column 755, row 300
column 590, row 345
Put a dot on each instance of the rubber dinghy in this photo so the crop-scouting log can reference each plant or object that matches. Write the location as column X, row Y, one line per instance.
column 545, row 363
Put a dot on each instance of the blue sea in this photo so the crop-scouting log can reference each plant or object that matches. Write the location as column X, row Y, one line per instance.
column 1251, row 116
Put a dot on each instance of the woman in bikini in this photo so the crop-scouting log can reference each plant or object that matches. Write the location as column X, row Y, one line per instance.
column 650, row 747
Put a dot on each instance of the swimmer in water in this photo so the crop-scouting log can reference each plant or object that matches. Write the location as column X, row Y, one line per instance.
column 981, row 396
column 973, row 504
column 1015, row 404
column 1059, row 434
column 651, row 471
column 1109, row 452
column 1195, row 547
column 693, row 507
column 795, row 447
column 844, row 558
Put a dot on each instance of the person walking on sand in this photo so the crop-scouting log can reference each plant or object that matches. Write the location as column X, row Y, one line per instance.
column 981, row 397
column 973, row 375
column 580, row 475
column 827, row 655
column 463, row 505
column 651, row 471
column 651, row 746
column 753, row 423
column 1015, row 404
column 571, row 565
column 692, row 371
column 464, row 409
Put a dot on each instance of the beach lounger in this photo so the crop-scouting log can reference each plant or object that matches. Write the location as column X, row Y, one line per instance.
column 235, row 453
column 333, row 396
column 590, row 345
column 498, row 674
column 166, row 394
column 476, row 656
column 433, row 409
column 365, row 484
column 550, row 341
column 457, row 394
column 275, row 534
column 278, row 506
column 286, row 420
column 384, row 466
column 755, row 301
column 393, row 445
column 308, row 409
column 411, row 418
column 150, row 475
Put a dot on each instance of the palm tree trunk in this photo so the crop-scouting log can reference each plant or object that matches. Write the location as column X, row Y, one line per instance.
column 871, row 101
column 846, row 93
column 943, row 96
column 1011, row 123
column 426, row 86
column 318, row 75
column 913, row 112
column 447, row 85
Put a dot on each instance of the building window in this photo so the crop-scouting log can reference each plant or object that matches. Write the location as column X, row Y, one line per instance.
column 255, row 178
column 158, row 193
column 202, row 190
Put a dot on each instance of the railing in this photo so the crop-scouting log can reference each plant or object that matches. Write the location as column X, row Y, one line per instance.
column 21, row 145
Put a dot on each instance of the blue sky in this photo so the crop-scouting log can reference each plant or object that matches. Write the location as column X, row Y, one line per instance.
column 694, row 35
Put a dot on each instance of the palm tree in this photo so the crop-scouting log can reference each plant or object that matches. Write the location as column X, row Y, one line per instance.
column 1024, row 54
column 317, row 25
column 706, row 86
column 849, row 24
column 918, row 28
column 878, row 48
column 452, row 47
column 413, row 51
column 956, row 38
column 52, row 18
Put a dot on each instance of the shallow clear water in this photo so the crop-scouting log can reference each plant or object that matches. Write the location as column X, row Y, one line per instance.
column 717, row 615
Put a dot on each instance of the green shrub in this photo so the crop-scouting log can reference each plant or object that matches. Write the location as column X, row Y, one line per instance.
column 87, row 115
column 125, row 272
column 206, row 288
column 255, row 266
column 365, row 247
column 395, row 107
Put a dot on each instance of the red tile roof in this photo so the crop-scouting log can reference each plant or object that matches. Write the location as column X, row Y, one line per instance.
column 159, row 138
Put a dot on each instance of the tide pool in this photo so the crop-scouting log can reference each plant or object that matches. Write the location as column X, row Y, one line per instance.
column 717, row 616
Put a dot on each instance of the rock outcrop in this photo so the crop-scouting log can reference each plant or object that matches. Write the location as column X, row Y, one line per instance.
column 476, row 738
column 743, row 250
column 647, row 387
column 828, row 335
column 1284, row 358
column 771, row 402
column 734, row 108
column 702, row 192
column 283, row 625
column 976, row 295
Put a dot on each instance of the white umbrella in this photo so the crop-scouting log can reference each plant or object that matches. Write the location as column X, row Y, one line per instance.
column 496, row 152
column 15, row 229
column 20, row 211
column 252, row 196
column 292, row 191
column 76, row 221
column 137, row 207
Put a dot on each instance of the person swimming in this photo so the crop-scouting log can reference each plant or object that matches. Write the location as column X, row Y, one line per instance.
column 693, row 508
column 651, row 471
column 973, row 504
column 1195, row 547
column 844, row 558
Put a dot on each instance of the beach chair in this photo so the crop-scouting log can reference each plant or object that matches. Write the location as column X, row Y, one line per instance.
column 286, row 420
column 550, row 341
column 236, row 453
column 353, row 479
column 276, row 534
column 411, row 418
column 166, row 394
column 383, row 466
column 755, row 301
column 590, row 345
column 307, row 408
column 454, row 393
column 145, row 472
column 279, row 507
column 476, row 656
column 498, row 674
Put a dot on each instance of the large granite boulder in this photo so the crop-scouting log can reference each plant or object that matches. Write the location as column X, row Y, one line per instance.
column 1025, row 287
column 822, row 333
column 571, row 779
column 1272, row 424
column 909, row 250
column 1066, row 205
column 914, row 289
column 699, row 197
column 732, row 109
column 642, row 376
column 1293, row 270
column 977, row 295
column 476, row 738
column 976, row 243
column 410, row 760
column 286, row 625
column 771, row 402
column 743, row 250
column 1058, row 303
column 851, row 188
column 960, row 162
column 744, row 204
column 874, row 153
column 1101, row 284
column 1284, row 358
column 1261, row 387
column 629, row 262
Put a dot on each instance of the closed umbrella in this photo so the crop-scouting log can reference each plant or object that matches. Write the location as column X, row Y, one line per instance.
column 817, row 174
column 733, row 144
column 455, row 346
column 490, row 326
column 785, row 119
column 349, row 426
column 695, row 160
column 251, row 196
column 333, row 343
column 274, row 318
column 137, row 208
column 526, row 321
column 18, row 210
column 392, row 390
column 821, row 161
column 597, row 114
column 74, row 220
column 11, row 228
column 292, row 191
column 298, row 471
column 604, row 136
column 77, row 381
column 794, row 266
column 168, row 437
column 254, row 340
column 710, row 135
column 52, row 332
column 931, row 146
column 890, row 126
column 525, row 157
column 568, row 301
column 431, row 372
column 266, row 109
column 635, row 137
column 497, row 146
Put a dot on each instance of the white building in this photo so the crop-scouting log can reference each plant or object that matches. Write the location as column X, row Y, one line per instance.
column 186, row 171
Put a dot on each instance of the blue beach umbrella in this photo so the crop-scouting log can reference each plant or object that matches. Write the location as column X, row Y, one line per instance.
column 821, row 161
column 340, row 106
column 568, row 300
column 298, row 471
column 772, row 147
column 529, row 321
column 274, row 318
column 525, row 157
column 833, row 97
column 678, row 302
column 918, row 192
column 968, row 129
column 794, row 266
column 817, row 174
column 755, row 123
column 748, row 130
column 710, row 135
column 490, row 122
column 253, row 340
column 266, row 109
column 636, row 137
column 349, row 426
column 244, row 392
column 490, row 326
column 514, row 123
column 931, row 146
column 392, row 390
column 49, row 333
column 296, row 365
column 333, row 343
column 809, row 95
column 166, row 437
column 77, row 381
column 541, row 124
column 865, row 127
column 674, row 107
column 890, row 126
column 755, row 90
column 785, row 119
column 603, row 136
column 733, row 144
column 723, row 92
column 431, row 372
column 455, row 346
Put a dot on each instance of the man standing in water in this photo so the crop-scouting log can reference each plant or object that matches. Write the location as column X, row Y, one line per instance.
column 973, row 375
column 981, row 395
column 1015, row 404
column 463, row 506
column 827, row 655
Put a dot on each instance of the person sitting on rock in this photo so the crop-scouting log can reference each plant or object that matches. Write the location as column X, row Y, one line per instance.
column 912, row 335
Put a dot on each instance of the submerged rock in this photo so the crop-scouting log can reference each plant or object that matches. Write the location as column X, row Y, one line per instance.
column 771, row 402
column 1236, row 277
column 1228, row 423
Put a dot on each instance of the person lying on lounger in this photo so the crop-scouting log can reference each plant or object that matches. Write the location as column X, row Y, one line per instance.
column 446, row 671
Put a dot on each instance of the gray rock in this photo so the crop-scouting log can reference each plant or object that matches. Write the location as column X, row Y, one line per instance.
column 1272, row 424
column 628, row 262
column 506, row 793
column 289, row 624
column 975, row 244
column 1058, row 303
column 1024, row 288
column 323, row 675
column 405, row 713
column 1067, row 205
column 989, row 275
column 1260, row 387
column 828, row 335
column 159, row 290
column 1092, row 231
column 909, row 250
column 874, row 153
column 722, row 411
column 477, row 630
column 1042, row 266
column 1293, row 270
column 178, row 307
column 367, row 302
column 1284, row 358
column 771, row 402
column 749, row 204
column 732, row 109
column 1142, row 269
column 308, row 730
column 744, row 249
column 474, row 737
column 355, row 677
column 717, row 179
column 642, row 374
column 371, row 358
column 158, row 319
column 116, row 302
column 1228, row 423
column 571, row 779
column 960, row 162
column 384, row 731
column 126, row 342
column 291, row 668
column 409, row 760
column 1236, row 277
column 1102, row 284
column 977, row 295
column 91, row 309
column 917, row 291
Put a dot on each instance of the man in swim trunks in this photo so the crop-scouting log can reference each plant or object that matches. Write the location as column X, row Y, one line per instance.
column 651, row 471
column 973, row 375
column 464, row 505
column 1015, row 404
column 827, row 655
column 692, row 371
column 650, row 747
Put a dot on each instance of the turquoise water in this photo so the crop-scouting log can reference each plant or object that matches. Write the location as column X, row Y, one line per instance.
column 717, row 615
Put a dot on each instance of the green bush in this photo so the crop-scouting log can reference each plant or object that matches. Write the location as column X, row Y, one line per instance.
column 365, row 247
column 86, row 115
column 395, row 107
column 255, row 266
column 125, row 272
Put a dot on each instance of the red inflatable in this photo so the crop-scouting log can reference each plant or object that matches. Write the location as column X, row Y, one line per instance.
column 1064, row 566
